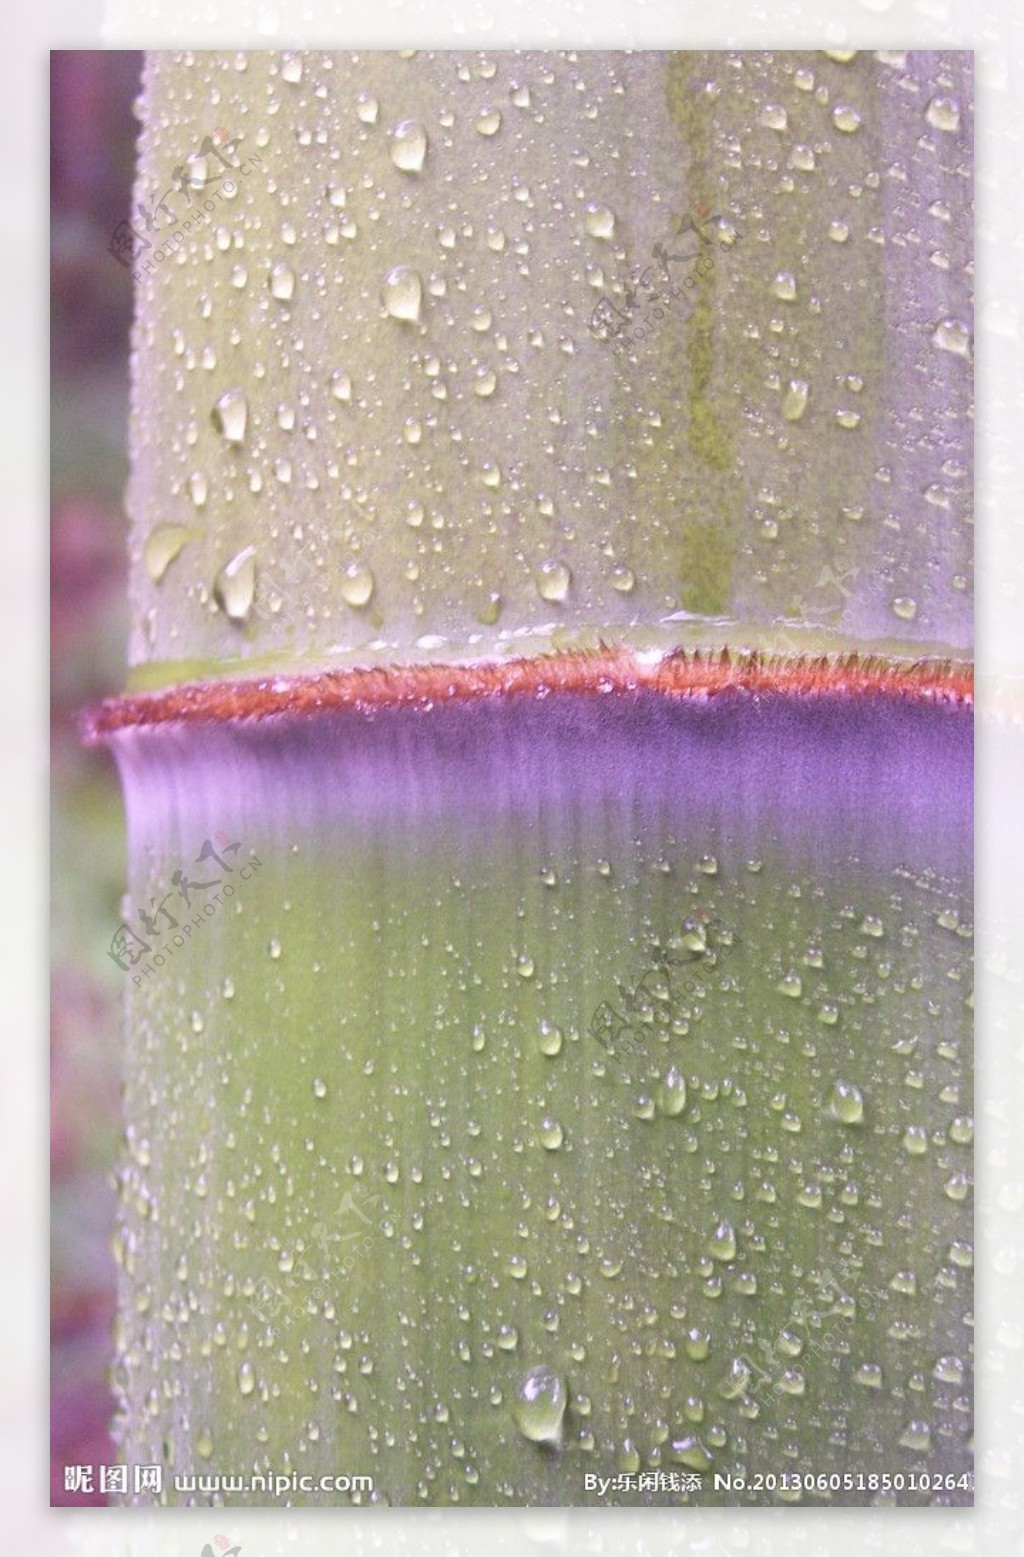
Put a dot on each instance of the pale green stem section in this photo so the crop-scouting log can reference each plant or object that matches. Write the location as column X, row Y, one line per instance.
column 461, row 462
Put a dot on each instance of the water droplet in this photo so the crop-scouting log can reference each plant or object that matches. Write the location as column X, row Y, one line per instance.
column 735, row 1381
column 847, row 1103
column 794, row 401
column 868, row 1376
column 319, row 1087
column 551, row 1133
column 341, row 386
column 916, row 1435
column 402, row 293
column 204, row 1443
column 274, row 948
column 163, row 544
column 697, row 1343
column 838, row 231
column 790, row 985
column 550, row 1039
column 961, row 1131
column 197, row 488
column 488, row 121
column 235, row 585
column 481, row 319
column 230, row 414
column 689, row 1451
column 599, row 221
column 846, row 118
column 409, row 146
column 915, row 1140
column 950, row 1370
column 485, row 383
column 943, row 113
column 723, row 1242
column 540, row 1405
column 282, row 281
column 774, row 116
column 905, row 607
column 246, row 1378
column 708, row 865
column 784, row 286
column 623, row 580
column 553, row 579
column 291, row 69
column 357, row 584
column 367, row 108
column 954, row 336
column 671, row 1095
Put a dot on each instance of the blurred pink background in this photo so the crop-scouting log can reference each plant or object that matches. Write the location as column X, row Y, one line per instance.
column 92, row 153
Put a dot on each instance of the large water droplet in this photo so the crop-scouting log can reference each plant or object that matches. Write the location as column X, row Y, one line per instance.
column 774, row 116
column 402, row 293
column 723, row 1242
column 488, row 121
column 943, row 113
column 230, row 414
column 235, row 585
column 357, row 584
column 952, row 335
column 341, row 385
column 846, row 118
column 553, row 579
column 540, row 1405
column 599, row 221
column 409, row 146
column 163, row 543
column 551, row 1133
column 671, row 1096
column 847, row 1103
column 282, row 281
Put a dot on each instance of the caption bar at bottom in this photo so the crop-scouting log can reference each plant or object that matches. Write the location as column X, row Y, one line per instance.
column 643, row 1481
column 150, row 1479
